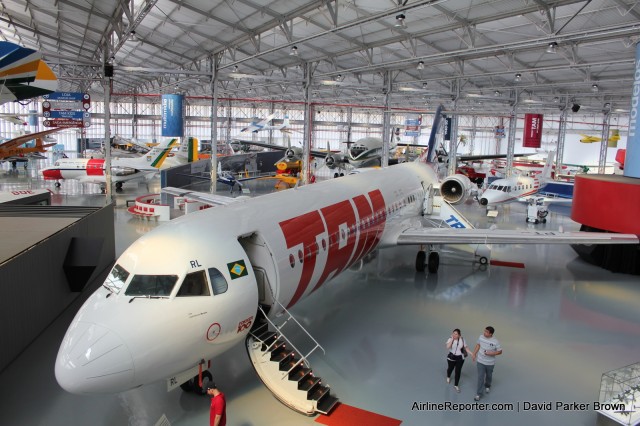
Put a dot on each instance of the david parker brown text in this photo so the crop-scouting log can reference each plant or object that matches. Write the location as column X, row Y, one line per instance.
column 519, row 406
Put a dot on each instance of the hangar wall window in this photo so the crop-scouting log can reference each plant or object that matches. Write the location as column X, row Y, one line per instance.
column 151, row 285
column 194, row 284
column 218, row 282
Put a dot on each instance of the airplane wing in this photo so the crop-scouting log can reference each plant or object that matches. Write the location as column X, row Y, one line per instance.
column 203, row 197
column 419, row 236
column 12, row 143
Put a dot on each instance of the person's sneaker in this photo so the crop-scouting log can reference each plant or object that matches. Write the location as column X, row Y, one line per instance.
column 487, row 390
column 476, row 398
column 448, row 380
column 457, row 389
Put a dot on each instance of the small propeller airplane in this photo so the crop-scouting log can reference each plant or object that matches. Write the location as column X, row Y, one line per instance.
column 258, row 126
column 11, row 150
column 122, row 169
column 247, row 259
column 612, row 142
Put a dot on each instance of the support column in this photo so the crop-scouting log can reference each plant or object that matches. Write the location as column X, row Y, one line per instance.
column 386, row 120
column 513, row 125
column 308, row 119
column 604, row 143
column 214, row 62
column 453, row 134
column 562, row 132
column 107, row 83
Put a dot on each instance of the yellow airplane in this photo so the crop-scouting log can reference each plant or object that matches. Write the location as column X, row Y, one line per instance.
column 612, row 142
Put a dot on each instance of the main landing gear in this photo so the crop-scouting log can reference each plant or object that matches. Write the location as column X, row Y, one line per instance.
column 432, row 261
column 193, row 384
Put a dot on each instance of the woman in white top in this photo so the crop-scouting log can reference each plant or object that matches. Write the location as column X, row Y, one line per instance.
column 458, row 350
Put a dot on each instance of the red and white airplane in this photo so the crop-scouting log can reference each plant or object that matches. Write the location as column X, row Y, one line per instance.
column 163, row 317
column 122, row 169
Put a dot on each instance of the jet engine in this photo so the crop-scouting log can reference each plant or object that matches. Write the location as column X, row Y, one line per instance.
column 455, row 189
column 123, row 171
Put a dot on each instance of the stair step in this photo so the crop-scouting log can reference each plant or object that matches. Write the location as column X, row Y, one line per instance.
column 281, row 356
column 318, row 392
column 259, row 327
column 299, row 373
column 278, row 346
column 267, row 338
column 308, row 383
column 327, row 403
column 288, row 364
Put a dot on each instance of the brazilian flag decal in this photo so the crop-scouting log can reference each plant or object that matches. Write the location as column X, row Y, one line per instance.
column 237, row 269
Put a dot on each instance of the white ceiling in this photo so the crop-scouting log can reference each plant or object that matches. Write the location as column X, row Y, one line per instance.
column 471, row 49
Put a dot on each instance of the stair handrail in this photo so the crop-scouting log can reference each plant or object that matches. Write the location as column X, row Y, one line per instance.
column 303, row 358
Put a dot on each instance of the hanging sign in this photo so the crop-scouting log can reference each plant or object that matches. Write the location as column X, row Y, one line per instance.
column 532, row 131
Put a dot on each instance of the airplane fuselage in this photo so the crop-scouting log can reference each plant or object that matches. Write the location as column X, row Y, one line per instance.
column 89, row 170
column 509, row 189
column 257, row 253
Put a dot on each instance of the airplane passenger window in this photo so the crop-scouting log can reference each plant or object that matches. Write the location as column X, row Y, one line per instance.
column 218, row 282
column 151, row 285
column 194, row 284
column 116, row 279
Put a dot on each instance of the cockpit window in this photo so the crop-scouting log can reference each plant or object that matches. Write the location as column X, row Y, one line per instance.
column 218, row 281
column 151, row 285
column 194, row 284
column 116, row 279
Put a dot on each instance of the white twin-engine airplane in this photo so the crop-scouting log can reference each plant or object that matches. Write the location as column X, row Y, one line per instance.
column 122, row 169
column 517, row 186
column 163, row 317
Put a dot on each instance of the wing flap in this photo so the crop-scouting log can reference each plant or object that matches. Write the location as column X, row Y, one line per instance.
column 417, row 236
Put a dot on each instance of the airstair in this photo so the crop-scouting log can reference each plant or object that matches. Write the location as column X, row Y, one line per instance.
column 283, row 368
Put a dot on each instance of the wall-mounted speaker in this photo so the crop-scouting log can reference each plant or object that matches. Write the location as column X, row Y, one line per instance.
column 575, row 108
column 108, row 70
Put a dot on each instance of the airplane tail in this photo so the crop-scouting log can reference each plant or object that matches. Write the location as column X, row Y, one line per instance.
column 40, row 145
column 154, row 158
column 427, row 155
column 548, row 165
column 188, row 152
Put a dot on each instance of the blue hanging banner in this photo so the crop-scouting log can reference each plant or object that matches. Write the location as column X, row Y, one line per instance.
column 447, row 129
column 172, row 117
column 632, row 161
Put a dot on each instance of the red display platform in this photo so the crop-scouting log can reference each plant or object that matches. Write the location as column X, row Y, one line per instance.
column 607, row 202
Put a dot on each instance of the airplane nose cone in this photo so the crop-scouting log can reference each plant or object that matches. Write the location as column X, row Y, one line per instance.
column 484, row 201
column 92, row 359
column 51, row 174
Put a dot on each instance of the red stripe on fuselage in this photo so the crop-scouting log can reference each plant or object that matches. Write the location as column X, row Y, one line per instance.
column 95, row 167
column 339, row 217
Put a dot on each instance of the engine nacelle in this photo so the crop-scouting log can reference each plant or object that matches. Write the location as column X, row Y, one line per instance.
column 332, row 161
column 455, row 189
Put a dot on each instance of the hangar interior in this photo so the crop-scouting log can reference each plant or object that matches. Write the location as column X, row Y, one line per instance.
column 340, row 71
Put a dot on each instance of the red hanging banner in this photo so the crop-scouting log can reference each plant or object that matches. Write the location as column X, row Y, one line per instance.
column 532, row 130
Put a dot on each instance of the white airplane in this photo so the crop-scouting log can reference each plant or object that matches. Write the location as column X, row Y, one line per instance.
column 163, row 317
column 122, row 169
column 517, row 186
column 258, row 126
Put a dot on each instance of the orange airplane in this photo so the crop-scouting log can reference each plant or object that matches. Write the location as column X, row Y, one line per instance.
column 11, row 150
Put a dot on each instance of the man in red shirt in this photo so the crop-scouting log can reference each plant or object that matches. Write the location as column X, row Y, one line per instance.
column 218, row 412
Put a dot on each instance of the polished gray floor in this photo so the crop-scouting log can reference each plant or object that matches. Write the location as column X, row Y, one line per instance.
column 562, row 324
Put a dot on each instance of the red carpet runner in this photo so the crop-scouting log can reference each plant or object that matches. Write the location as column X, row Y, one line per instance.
column 346, row 415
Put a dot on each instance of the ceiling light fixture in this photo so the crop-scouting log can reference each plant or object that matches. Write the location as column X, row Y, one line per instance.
column 552, row 47
column 132, row 36
column 594, row 88
column 294, row 51
column 235, row 68
column 421, row 65
column 338, row 77
column 497, row 93
column 518, row 77
column 424, row 85
column 400, row 21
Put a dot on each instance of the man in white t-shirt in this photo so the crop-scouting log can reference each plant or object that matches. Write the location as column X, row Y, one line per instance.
column 484, row 354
